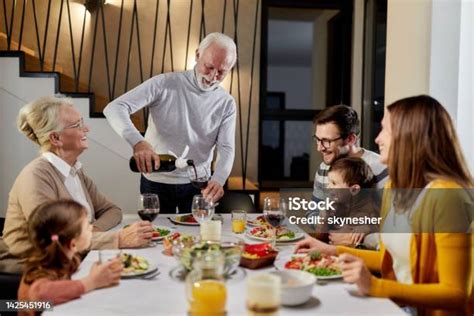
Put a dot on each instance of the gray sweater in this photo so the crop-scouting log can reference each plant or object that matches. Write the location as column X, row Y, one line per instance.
column 180, row 114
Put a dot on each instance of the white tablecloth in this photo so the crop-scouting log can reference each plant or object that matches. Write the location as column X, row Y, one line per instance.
column 166, row 296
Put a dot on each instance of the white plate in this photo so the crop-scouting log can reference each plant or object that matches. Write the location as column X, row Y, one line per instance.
column 282, row 260
column 298, row 236
column 162, row 237
column 151, row 269
column 173, row 219
column 133, row 274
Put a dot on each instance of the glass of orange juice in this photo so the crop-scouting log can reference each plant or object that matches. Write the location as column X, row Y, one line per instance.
column 205, row 287
column 239, row 219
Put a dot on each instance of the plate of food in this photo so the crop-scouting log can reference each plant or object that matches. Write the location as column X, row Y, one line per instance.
column 324, row 267
column 135, row 266
column 184, row 219
column 161, row 232
column 283, row 234
column 258, row 221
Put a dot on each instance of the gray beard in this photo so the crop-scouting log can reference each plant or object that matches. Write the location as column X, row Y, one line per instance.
column 201, row 86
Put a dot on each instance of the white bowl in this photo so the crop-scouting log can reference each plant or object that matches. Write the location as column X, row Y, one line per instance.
column 296, row 286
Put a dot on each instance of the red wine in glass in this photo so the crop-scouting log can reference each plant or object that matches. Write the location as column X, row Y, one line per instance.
column 199, row 183
column 198, row 176
column 275, row 219
column 148, row 214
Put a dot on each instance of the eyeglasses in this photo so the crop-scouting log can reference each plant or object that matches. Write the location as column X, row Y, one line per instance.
column 324, row 141
column 79, row 124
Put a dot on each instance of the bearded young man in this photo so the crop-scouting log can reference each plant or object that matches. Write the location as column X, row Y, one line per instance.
column 336, row 136
column 186, row 109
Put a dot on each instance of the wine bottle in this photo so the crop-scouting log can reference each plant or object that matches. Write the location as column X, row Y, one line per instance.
column 167, row 164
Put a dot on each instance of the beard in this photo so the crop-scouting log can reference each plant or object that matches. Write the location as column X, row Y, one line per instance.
column 203, row 85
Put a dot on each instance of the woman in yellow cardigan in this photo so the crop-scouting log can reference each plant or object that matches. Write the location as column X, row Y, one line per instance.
column 425, row 256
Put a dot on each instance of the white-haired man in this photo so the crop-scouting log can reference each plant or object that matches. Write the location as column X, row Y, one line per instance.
column 186, row 108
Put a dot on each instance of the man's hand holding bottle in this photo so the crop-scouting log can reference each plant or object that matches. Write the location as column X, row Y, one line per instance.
column 146, row 158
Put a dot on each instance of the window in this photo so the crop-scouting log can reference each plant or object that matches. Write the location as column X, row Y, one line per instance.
column 305, row 67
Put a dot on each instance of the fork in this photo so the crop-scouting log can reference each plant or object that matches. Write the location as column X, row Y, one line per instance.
column 151, row 276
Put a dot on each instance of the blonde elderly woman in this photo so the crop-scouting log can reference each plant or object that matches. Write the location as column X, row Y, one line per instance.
column 59, row 130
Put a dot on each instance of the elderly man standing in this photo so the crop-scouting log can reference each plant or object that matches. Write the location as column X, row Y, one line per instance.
column 186, row 109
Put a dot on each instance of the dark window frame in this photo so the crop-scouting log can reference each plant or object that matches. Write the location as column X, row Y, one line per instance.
column 346, row 8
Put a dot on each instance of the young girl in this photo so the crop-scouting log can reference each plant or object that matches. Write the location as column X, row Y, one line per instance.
column 59, row 230
column 350, row 184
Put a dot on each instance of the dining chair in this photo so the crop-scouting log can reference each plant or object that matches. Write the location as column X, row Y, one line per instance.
column 235, row 201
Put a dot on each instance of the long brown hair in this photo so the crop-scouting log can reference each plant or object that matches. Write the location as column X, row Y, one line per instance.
column 52, row 226
column 424, row 145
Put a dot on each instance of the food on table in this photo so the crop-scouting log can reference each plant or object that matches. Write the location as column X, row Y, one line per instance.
column 133, row 264
column 160, row 232
column 187, row 218
column 316, row 263
column 267, row 232
column 231, row 250
column 258, row 250
column 259, row 220
column 175, row 237
column 258, row 256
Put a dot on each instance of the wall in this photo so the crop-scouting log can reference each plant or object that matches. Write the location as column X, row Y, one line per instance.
column 106, row 160
column 429, row 51
column 408, row 48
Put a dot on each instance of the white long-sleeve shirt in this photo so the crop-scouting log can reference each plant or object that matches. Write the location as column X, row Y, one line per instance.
column 180, row 114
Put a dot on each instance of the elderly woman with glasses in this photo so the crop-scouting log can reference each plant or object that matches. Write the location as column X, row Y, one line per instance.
column 59, row 130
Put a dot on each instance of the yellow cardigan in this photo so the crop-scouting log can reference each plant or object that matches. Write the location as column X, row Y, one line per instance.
column 441, row 263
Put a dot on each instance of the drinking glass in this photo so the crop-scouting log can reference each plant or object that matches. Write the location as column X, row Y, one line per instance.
column 239, row 218
column 109, row 254
column 199, row 176
column 263, row 294
column 148, row 206
column 202, row 209
column 205, row 287
column 211, row 230
column 274, row 211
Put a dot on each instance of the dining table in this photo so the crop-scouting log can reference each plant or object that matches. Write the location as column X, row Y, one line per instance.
column 165, row 293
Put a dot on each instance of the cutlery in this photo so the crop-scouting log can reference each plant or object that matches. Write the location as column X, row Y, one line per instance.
column 151, row 276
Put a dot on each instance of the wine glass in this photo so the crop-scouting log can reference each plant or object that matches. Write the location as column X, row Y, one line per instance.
column 148, row 206
column 202, row 208
column 199, row 176
column 274, row 211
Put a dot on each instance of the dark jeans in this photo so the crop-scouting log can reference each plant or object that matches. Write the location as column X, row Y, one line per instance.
column 170, row 195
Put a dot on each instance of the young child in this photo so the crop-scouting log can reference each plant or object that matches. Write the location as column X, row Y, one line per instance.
column 350, row 184
column 60, row 230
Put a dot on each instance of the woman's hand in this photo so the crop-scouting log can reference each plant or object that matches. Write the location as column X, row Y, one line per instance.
column 312, row 244
column 136, row 235
column 103, row 275
column 355, row 271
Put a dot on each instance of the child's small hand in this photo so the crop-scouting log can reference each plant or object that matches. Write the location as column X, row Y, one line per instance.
column 103, row 275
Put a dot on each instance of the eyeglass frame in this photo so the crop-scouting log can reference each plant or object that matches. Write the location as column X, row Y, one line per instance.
column 79, row 125
column 320, row 141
